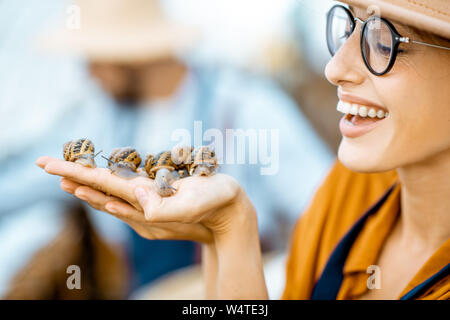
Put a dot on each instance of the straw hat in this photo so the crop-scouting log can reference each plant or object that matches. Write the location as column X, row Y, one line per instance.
column 120, row 31
column 427, row 15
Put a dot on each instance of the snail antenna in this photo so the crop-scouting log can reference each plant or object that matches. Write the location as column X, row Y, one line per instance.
column 167, row 184
column 107, row 159
column 95, row 155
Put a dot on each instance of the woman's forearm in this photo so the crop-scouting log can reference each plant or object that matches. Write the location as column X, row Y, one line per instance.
column 210, row 270
column 240, row 268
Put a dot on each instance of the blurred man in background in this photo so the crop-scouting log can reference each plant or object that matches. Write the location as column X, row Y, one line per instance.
column 147, row 90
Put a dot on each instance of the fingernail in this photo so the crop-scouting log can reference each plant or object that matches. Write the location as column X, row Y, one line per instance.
column 40, row 162
column 66, row 186
column 141, row 195
column 111, row 208
column 81, row 195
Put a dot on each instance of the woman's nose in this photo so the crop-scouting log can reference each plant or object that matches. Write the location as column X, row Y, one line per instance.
column 346, row 67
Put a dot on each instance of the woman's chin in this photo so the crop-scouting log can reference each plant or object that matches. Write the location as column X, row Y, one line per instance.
column 361, row 158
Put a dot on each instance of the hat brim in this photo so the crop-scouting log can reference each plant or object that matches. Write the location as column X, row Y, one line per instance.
column 431, row 17
column 144, row 44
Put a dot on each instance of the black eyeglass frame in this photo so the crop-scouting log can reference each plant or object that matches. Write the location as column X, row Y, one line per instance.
column 397, row 39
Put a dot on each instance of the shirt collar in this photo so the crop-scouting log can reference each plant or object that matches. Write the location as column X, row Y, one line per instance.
column 368, row 244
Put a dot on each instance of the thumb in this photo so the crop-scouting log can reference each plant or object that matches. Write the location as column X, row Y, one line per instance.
column 146, row 199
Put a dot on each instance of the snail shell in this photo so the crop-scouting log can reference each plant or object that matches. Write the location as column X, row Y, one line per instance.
column 160, row 161
column 150, row 162
column 124, row 162
column 204, row 162
column 80, row 151
column 162, row 168
column 182, row 157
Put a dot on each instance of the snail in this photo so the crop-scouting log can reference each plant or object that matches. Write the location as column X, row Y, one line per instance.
column 182, row 157
column 204, row 162
column 164, row 171
column 80, row 151
column 124, row 162
column 183, row 161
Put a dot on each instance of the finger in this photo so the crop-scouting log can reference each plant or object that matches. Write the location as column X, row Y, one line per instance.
column 147, row 199
column 195, row 196
column 177, row 208
column 125, row 211
column 42, row 161
column 163, row 209
column 69, row 185
column 98, row 178
column 96, row 198
column 116, row 207
column 170, row 230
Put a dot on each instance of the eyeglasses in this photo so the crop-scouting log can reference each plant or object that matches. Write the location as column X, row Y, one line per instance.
column 379, row 39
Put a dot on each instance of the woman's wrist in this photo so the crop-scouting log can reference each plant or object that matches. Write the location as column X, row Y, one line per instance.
column 238, row 211
column 240, row 272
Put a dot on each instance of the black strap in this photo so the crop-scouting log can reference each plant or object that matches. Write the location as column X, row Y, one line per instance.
column 330, row 281
column 421, row 288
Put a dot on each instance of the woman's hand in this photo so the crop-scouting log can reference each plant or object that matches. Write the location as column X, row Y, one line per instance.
column 200, row 207
column 213, row 210
column 135, row 218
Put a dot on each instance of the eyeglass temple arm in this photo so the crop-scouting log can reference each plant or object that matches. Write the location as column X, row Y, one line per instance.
column 407, row 40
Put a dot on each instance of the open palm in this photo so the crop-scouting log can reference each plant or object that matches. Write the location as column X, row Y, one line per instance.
column 191, row 214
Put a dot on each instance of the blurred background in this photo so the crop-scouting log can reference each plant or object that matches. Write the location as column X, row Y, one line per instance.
column 130, row 72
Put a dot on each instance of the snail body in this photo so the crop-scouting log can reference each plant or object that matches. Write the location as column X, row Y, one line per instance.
column 124, row 162
column 162, row 168
column 164, row 179
column 80, row 151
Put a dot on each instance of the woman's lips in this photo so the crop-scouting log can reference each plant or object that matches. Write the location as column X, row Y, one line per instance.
column 359, row 119
column 354, row 99
column 355, row 126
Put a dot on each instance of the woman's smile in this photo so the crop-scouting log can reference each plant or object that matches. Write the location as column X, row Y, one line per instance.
column 361, row 116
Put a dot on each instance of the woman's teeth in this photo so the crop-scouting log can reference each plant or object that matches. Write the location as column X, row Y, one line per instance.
column 362, row 111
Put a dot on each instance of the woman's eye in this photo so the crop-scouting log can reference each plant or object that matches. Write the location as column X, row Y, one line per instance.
column 383, row 49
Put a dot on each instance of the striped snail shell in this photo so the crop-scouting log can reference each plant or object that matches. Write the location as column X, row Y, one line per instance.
column 124, row 162
column 149, row 163
column 162, row 168
column 160, row 161
column 204, row 162
column 80, row 151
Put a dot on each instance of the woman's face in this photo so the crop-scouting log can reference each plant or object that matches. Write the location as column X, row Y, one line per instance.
column 415, row 93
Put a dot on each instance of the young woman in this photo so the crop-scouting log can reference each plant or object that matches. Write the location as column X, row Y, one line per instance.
column 379, row 227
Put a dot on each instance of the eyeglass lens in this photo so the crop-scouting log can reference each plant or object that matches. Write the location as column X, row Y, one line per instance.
column 377, row 45
column 377, row 41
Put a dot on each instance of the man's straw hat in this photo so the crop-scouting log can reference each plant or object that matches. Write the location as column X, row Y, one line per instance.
column 427, row 15
column 120, row 31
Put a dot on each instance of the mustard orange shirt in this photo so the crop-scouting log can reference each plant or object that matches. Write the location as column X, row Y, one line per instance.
column 342, row 199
